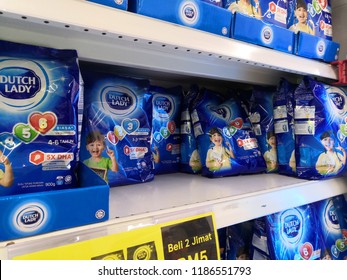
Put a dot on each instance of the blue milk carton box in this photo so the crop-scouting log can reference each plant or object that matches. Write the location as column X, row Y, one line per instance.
column 293, row 234
column 41, row 107
column 250, row 29
column 314, row 47
column 166, row 137
column 192, row 13
column 118, row 4
column 117, row 127
column 24, row 215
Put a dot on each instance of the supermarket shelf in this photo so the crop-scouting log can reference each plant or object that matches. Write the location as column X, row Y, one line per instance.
column 109, row 38
column 175, row 196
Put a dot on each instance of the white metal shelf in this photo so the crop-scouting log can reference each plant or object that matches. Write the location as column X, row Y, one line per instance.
column 106, row 35
column 175, row 196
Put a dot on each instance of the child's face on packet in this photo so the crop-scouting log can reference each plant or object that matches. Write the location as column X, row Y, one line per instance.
column 272, row 141
column 301, row 14
column 95, row 148
column 328, row 143
column 216, row 139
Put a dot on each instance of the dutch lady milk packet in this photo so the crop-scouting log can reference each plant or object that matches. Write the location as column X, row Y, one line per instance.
column 320, row 130
column 226, row 142
column 40, row 100
column 294, row 234
column 117, row 127
column 166, row 137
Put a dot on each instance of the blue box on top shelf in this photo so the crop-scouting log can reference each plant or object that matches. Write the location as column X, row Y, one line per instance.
column 192, row 13
column 24, row 215
column 118, row 4
column 255, row 31
column 315, row 47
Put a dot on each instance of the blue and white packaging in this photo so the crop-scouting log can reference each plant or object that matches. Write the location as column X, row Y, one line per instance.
column 254, row 31
column 190, row 158
column 314, row 47
column 24, row 215
column 117, row 127
column 311, row 17
column 292, row 234
column 262, row 119
column 118, row 4
column 166, row 138
column 259, row 249
column 273, row 11
column 340, row 205
column 218, row 3
column 284, row 103
column 239, row 238
column 240, row 6
column 329, row 226
column 192, row 13
column 226, row 141
column 320, row 130
column 41, row 104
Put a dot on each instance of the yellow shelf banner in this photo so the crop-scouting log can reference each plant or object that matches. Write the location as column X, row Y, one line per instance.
column 192, row 238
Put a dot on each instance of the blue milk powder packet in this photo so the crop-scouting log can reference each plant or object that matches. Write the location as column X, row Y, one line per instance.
column 166, row 138
column 329, row 226
column 259, row 246
column 262, row 119
column 310, row 16
column 340, row 205
column 293, row 234
column 239, row 6
column 190, row 158
column 117, row 127
column 320, row 130
column 226, row 142
column 239, row 238
column 283, row 102
column 274, row 12
column 41, row 104
column 218, row 3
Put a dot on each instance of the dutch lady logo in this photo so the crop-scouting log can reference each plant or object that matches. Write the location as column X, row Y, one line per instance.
column 163, row 106
column 337, row 98
column 291, row 226
column 189, row 13
column 330, row 217
column 118, row 100
column 30, row 217
column 22, row 84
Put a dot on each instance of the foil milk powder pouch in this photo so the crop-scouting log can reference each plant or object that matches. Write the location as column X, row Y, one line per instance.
column 41, row 107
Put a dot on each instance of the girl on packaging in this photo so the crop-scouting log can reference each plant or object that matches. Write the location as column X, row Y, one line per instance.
column 218, row 156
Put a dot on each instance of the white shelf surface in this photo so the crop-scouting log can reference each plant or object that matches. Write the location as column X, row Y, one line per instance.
column 175, row 196
column 107, row 35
